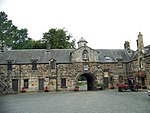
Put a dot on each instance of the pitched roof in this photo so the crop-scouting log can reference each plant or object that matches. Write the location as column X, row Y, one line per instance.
column 42, row 55
column 146, row 53
column 114, row 54
column 147, row 50
column 60, row 55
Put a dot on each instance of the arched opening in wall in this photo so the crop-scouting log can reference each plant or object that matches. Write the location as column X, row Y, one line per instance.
column 86, row 82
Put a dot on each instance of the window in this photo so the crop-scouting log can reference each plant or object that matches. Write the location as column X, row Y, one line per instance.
column 107, row 58
column 52, row 63
column 85, row 55
column 119, row 64
column 63, row 82
column 120, row 78
column 26, row 83
column 34, row 65
column 85, row 67
column 9, row 66
column 111, row 79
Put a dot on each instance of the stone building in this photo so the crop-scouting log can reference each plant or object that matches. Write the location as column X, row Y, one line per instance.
column 60, row 69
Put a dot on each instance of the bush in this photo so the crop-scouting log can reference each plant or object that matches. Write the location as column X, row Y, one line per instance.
column 101, row 86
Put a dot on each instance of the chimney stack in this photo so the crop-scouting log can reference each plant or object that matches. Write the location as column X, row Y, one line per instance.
column 140, row 45
column 127, row 46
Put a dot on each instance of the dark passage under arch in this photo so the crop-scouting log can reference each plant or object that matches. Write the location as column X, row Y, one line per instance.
column 90, row 81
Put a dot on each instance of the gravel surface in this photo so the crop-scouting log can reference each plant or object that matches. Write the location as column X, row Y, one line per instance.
column 106, row 101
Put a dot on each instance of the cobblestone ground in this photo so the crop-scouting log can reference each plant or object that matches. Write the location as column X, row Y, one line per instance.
column 107, row 101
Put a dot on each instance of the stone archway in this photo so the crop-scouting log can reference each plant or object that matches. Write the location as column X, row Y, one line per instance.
column 91, row 80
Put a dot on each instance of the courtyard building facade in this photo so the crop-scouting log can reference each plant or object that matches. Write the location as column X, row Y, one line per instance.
column 60, row 69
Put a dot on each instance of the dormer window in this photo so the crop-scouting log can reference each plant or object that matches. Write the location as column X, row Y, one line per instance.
column 107, row 57
column 9, row 65
column 52, row 63
column 34, row 64
column 85, row 55
column 120, row 63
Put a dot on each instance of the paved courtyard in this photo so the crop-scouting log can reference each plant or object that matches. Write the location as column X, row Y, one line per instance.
column 107, row 101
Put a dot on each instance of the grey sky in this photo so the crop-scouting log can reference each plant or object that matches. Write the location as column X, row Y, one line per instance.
column 105, row 24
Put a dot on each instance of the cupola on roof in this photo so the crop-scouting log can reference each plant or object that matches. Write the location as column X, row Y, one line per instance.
column 82, row 42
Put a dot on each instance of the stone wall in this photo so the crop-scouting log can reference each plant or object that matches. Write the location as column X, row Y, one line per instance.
column 93, row 55
column 70, row 72
column 147, row 69
column 22, row 72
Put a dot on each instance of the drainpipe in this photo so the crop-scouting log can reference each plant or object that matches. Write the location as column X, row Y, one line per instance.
column 56, row 77
column 19, row 78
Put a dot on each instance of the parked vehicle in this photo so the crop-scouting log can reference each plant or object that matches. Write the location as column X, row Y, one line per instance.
column 76, row 88
column 131, row 85
column 148, row 91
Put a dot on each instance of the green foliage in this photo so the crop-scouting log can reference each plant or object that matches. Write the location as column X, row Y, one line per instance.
column 81, row 83
column 14, row 38
column 82, row 78
column 101, row 85
column 10, row 35
column 58, row 39
column 31, row 44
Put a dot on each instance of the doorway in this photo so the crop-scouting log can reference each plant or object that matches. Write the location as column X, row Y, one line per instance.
column 86, row 81
column 41, row 84
column 106, row 78
column 15, row 85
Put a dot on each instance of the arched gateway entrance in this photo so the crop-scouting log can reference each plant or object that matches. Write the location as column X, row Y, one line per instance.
column 90, row 80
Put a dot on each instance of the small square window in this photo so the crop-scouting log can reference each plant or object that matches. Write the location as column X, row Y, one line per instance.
column 107, row 58
column 85, row 67
column 120, row 78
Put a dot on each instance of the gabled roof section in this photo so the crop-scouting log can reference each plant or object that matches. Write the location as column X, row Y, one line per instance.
column 43, row 55
column 114, row 54
column 146, row 53
column 147, row 50
column 84, row 47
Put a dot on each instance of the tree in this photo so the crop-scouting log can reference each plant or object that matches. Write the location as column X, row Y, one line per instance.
column 10, row 35
column 14, row 38
column 58, row 39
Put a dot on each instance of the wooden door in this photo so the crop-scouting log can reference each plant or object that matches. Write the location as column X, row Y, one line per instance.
column 41, row 84
column 15, row 85
column 106, row 82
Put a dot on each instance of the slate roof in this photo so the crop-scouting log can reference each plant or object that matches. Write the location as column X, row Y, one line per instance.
column 42, row 55
column 114, row 54
column 146, row 53
column 147, row 50
column 60, row 55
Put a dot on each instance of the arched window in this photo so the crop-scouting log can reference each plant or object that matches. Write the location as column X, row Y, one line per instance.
column 85, row 55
